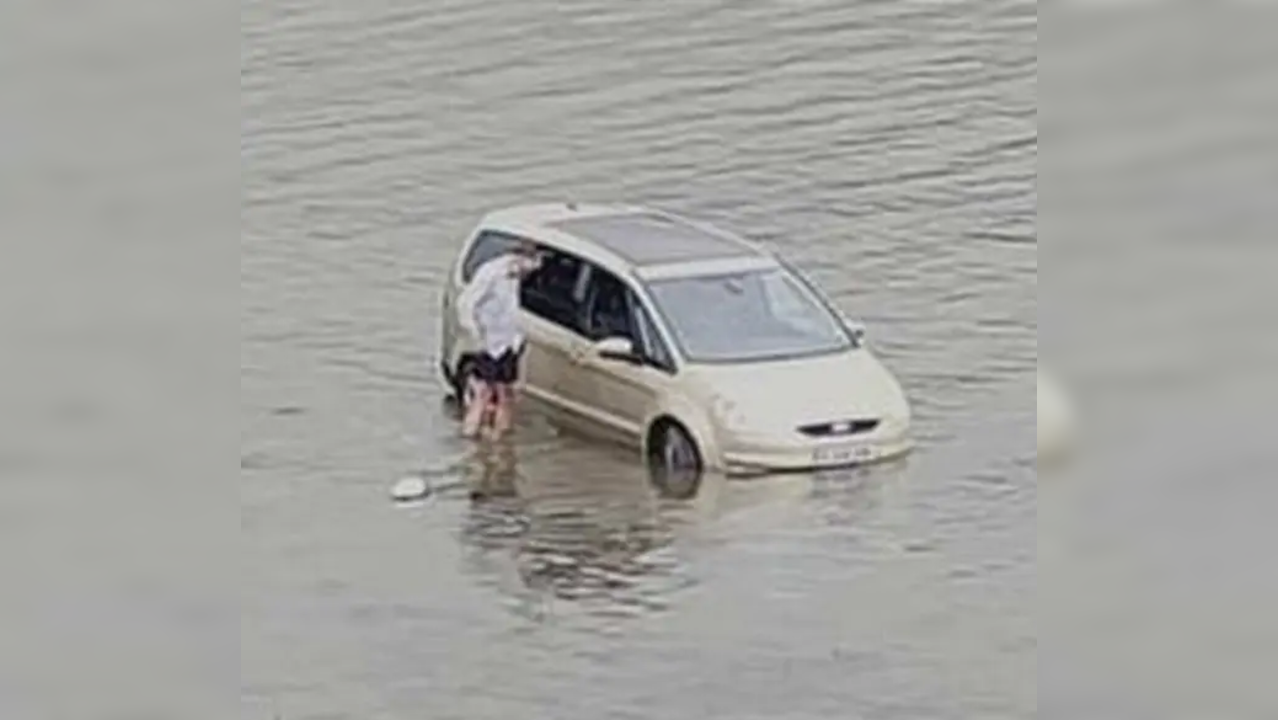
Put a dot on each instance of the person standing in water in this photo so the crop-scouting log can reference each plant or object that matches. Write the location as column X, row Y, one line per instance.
column 490, row 310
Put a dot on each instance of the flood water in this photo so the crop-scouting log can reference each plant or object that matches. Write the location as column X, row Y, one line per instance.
column 890, row 148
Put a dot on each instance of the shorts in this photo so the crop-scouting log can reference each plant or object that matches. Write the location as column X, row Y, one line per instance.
column 502, row 370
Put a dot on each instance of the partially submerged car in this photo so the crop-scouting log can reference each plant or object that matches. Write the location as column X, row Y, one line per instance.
column 694, row 346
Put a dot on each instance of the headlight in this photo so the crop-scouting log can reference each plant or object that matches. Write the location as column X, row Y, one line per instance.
column 730, row 415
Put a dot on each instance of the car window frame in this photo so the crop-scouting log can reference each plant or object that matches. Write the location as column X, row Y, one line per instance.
column 575, row 307
column 467, row 268
column 639, row 294
column 592, row 296
column 671, row 363
column 640, row 304
column 639, row 311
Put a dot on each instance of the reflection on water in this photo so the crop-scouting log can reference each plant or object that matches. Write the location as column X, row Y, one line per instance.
column 597, row 535
column 590, row 529
column 569, row 533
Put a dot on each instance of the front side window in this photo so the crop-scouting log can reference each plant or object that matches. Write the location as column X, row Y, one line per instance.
column 747, row 317
column 614, row 310
column 608, row 310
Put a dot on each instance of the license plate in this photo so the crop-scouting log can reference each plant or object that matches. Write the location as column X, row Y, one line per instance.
column 841, row 455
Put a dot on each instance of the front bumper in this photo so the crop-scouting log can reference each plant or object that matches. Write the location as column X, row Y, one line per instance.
column 748, row 458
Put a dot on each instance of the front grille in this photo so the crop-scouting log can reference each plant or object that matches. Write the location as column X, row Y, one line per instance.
column 843, row 428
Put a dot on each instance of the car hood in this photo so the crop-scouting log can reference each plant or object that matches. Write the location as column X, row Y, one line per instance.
column 851, row 386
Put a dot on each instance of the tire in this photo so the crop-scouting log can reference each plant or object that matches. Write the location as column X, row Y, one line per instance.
column 675, row 463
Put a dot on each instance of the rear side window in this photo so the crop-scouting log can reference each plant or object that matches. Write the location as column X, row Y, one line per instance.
column 556, row 293
column 489, row 246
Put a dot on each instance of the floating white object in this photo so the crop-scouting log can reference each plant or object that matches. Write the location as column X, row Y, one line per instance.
column 411, row 489
column 1055, row 419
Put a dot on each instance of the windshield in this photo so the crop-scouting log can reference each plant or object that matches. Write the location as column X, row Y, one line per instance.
column 750, row 316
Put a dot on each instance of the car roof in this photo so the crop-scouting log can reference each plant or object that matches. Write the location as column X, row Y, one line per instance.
column 630, row 239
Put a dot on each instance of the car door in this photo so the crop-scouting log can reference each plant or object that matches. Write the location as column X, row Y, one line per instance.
column 623, row 393
column 552, row 300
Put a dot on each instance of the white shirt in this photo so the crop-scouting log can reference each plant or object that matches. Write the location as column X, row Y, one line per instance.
column 490, row 308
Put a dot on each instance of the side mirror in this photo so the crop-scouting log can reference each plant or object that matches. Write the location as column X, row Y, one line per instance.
column 618, row 349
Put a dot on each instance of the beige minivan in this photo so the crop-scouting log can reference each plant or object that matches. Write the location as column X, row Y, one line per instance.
column 689, row 344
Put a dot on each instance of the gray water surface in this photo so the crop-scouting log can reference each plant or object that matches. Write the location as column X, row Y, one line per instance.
column 890, row 148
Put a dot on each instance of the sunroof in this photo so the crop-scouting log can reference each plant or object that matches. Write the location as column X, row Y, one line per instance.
column 651, row 239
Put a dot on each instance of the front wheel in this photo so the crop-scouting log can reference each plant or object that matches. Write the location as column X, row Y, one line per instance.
column 675, row 462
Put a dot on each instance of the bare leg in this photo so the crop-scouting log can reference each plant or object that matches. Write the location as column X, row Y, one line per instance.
column 503, row 417
column 481, row 401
